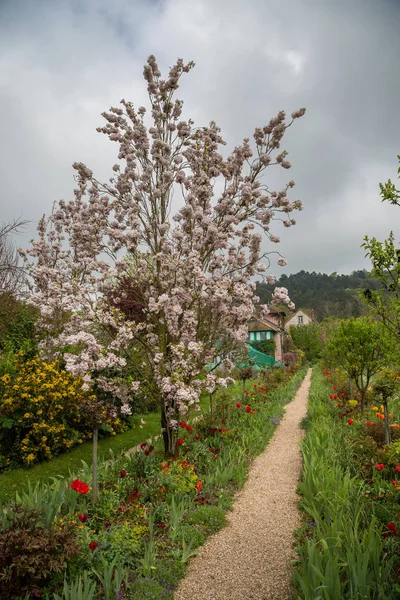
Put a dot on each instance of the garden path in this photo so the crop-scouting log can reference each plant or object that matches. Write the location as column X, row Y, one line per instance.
column 250, row 558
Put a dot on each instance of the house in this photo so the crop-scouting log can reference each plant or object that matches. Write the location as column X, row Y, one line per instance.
column 300, row 317
column 260, row 329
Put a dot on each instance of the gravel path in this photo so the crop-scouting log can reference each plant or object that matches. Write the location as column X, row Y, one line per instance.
column 250, row 558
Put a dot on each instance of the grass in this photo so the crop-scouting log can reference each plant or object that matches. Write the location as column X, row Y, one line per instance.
column 17, row 479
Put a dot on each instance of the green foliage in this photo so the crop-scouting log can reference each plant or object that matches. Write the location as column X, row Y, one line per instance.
column 389, row 191
column 17, row 324
column 308, row 338
column 265, row 346
column 211, row 517
column 83, row 588
column 343, row 554
column 361, row 348
column 384, row 297
column 30, row 552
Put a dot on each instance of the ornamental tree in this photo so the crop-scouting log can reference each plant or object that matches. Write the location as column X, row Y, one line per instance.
column 115, row 276
column 361, row 347
column 385, row 259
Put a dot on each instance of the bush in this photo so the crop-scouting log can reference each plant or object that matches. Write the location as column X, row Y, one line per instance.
column 43, row 412
column 30, row 553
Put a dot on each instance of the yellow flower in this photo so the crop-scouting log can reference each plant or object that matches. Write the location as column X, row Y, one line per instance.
column 30, row 457
column 375, row 408
column 39, row 412
column 27, row 415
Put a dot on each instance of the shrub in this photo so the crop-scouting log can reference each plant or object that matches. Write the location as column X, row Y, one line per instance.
column 43, row 412
column 377, row 432
column 211, row 517
column 30, row 553
column 289, row 358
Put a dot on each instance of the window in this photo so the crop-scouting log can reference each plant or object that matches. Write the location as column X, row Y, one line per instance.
column 263, row 335
column 300, row 320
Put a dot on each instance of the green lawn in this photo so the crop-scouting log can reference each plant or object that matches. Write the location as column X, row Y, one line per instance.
column 12, row 481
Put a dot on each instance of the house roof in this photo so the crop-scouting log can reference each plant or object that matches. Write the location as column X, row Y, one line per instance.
column 272, row 309
column 262, row 325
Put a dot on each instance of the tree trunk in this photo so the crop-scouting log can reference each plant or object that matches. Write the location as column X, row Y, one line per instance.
column 243, row 389
column 94, row 464
column 350, row 388
column 362, row 401
column 212, row 407
column 387, row 428
column 170, row 436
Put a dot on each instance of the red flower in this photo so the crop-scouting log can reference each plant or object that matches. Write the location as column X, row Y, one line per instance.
column 335, row 397
column 397, row 469
column 197, row 437
column 82, row 518
column 238, row 405
column 146, row 452
column 394, row 482
column 380, row 467
column 342, row 395
column 180, row 442
column 80, row 487
column 189, row 428
column 151, row 449
column 334, row 387
column 93, row 546
column 392, row 526
column 143, row 445
column 369, row 423
column 122, row 473
column 199, row 486
column 248, row 409
column 182, row 424
column 331, row 397
column 350, row 421
column 185, row 464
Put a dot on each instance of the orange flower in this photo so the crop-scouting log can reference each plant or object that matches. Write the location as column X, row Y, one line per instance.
column 199, row 486
column 185, row 464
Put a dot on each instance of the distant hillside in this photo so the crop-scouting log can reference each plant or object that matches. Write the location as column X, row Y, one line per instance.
column 329, row 295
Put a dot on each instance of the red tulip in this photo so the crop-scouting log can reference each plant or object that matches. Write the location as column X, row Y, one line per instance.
column 248, row 409
column 350, row 421
column 397, row 469
column 180, row 442
column 122, row 473
column 380, row 467
column 238, row 405
column 82, row 518
column 93, row 546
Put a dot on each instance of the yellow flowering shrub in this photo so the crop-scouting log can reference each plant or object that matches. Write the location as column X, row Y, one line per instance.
column 43, row 412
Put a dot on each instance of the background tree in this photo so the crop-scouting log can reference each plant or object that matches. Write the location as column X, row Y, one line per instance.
column 385, row 258
column 361, row 347
column 189, row 277
column 309, row 339
column 12, row 274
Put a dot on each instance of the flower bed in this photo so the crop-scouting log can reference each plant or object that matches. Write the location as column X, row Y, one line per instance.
column 152, row 513
column 349, row 545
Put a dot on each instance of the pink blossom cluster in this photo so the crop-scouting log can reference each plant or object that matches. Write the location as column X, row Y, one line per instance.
column 190, row 275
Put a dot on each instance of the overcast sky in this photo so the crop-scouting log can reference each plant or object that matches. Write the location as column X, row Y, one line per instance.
column 62, row 62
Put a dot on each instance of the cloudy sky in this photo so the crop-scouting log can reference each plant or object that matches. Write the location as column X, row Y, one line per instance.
column 62, row 62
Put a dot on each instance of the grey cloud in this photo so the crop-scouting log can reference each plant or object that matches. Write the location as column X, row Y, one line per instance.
column 339, row 59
